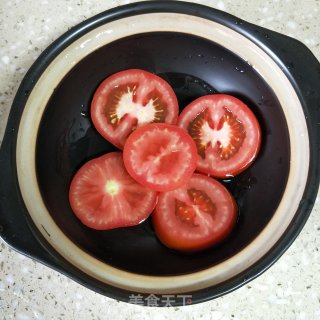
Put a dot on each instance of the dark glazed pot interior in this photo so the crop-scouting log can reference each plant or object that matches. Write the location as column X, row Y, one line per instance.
column 194, row 67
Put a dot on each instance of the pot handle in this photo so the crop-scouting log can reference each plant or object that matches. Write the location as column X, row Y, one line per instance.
column 297, row 62
column 303, row 71
column 15, row 224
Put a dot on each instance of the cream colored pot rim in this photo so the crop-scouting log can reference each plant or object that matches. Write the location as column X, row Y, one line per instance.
column 168, row 22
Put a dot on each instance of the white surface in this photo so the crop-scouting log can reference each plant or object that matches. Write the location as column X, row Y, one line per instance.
column 28, row 290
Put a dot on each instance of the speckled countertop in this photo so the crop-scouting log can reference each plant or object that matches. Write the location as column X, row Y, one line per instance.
column 28, row 290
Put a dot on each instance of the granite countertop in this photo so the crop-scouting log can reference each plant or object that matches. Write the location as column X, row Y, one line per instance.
column 28, row 290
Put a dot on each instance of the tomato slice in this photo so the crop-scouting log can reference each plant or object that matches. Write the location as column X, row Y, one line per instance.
column 196, row 216
column 226, row 132
column 129, row 99
column 160, row 156
column 104, row 196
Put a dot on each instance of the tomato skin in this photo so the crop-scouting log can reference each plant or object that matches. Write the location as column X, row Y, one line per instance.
column 215, row 108
column 178, row 232
column 160, row 156
column 103, row 196
column 129, row 99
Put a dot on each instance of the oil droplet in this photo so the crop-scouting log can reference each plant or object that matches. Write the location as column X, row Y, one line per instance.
column 261, row 100
column 239, row 70
column 290, row 65
column 84, row 112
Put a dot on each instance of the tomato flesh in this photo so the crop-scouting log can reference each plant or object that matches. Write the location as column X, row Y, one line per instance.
column 160, row 156
column 196, row 216
column 131, row 98
column 226, row 132
column 104, row 196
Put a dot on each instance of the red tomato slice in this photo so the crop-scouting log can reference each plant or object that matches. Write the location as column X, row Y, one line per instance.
column 226, row 132
column 129, row 99
column 160, row 156
column 103, row 195
column 196, row 216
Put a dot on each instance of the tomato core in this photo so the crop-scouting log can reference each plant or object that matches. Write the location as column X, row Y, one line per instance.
column 130, row 99
column 160, row 156
column 112, row 187
column 226, row 132
column 196, row 216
